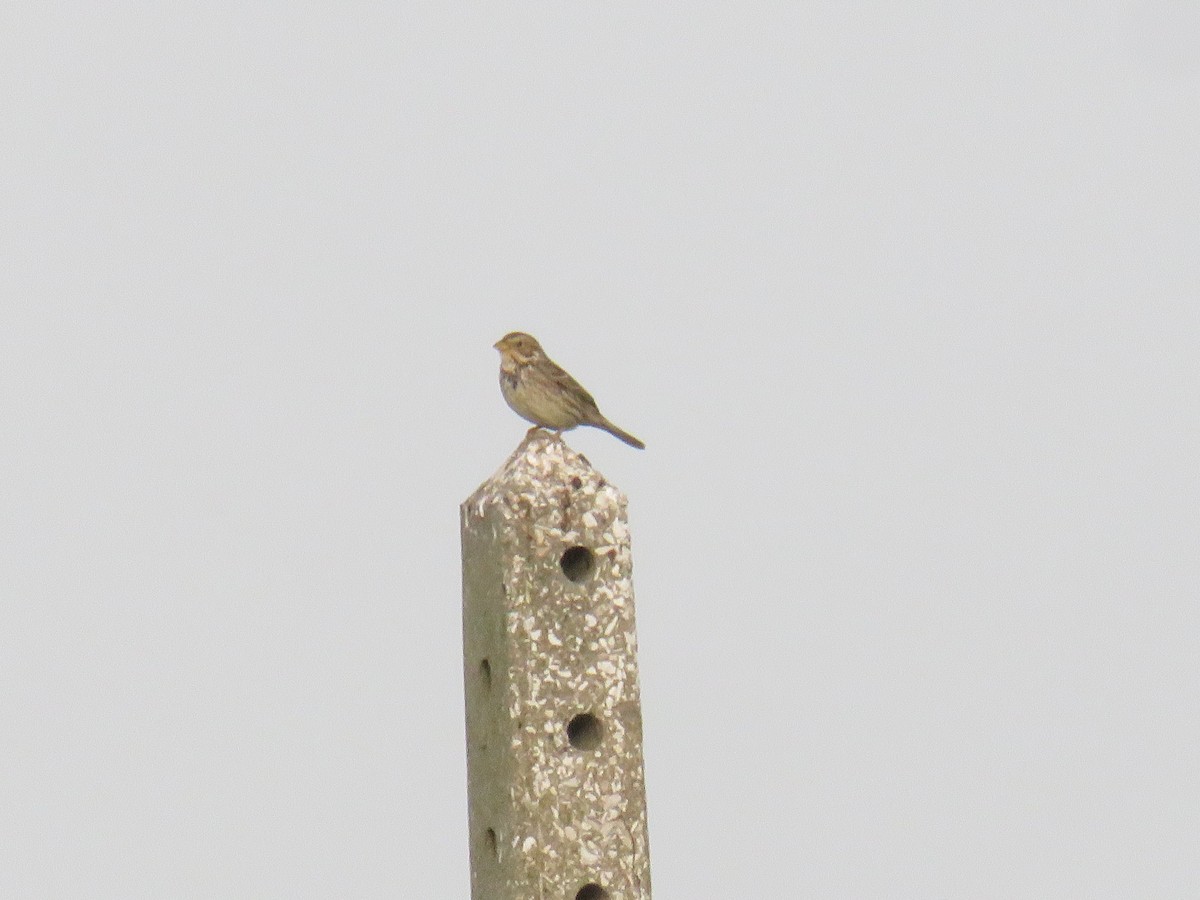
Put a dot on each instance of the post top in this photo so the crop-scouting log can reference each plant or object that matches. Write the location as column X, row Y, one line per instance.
column 540, row 467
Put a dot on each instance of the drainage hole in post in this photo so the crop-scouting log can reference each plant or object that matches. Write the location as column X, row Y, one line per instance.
column 585, row 732
column 485, row 673
column 577, row 563
column 493, row 847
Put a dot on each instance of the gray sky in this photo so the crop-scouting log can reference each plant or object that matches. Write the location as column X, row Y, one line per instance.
column 904, row 302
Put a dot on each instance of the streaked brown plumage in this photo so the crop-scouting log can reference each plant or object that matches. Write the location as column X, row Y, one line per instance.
column 541, row 392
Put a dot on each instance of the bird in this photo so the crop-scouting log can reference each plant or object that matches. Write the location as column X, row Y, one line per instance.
column 540, row 391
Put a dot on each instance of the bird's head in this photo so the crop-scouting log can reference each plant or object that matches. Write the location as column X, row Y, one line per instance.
column 519, row 347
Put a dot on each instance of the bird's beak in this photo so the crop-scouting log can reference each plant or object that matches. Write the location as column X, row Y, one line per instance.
column 497, row 344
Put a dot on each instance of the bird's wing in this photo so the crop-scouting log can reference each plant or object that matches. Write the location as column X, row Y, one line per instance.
column 562, row 378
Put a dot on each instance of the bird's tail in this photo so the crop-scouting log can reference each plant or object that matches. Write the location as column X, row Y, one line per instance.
column 616, row 432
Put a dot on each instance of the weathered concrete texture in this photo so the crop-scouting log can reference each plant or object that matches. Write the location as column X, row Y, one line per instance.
column 554, row 733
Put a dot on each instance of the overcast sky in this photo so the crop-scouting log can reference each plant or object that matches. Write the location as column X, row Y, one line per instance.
column 903, row 298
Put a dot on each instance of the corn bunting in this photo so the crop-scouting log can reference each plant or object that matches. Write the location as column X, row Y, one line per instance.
column 541, row 392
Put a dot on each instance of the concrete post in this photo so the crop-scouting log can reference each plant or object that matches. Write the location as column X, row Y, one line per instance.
column 556, row 797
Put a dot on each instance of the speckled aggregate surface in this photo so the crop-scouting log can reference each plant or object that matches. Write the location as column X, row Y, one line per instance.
column 548, row 817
